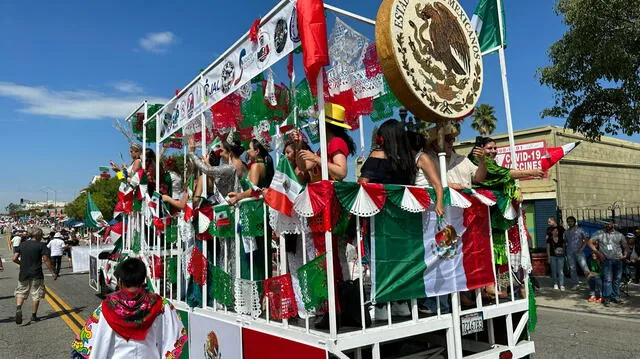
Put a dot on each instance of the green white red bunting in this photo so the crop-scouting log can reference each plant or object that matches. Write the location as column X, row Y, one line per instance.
column 368, row 199
column 313, row 199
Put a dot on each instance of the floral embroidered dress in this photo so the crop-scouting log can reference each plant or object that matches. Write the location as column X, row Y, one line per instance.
column 132, row 325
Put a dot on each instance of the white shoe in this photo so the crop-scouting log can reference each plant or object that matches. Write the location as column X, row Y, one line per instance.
column 400, row 309
column 562, row 288
column 555, row 286
column 381, row 313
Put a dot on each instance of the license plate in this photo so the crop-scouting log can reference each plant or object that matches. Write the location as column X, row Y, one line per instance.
column 471, row 323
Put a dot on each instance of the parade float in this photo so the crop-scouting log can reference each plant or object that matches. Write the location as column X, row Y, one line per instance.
column 426, row 59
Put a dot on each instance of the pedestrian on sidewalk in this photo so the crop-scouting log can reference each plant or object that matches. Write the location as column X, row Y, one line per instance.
column 611, row 248
column 595, row 279
column 576, row 240
column 132, row 323
column 555, row 252
column 57, row 246
column 29, row 256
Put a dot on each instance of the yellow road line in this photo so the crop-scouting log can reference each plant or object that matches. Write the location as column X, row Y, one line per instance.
column 68, row 307
column 72, row 319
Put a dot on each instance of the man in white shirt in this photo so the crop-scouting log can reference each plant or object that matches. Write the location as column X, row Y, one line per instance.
column 56, row 246
column 461, row 172
column 17, row 239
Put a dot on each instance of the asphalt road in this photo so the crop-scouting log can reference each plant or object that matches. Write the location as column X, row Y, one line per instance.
column 561, row 333
column 574, row 335
column 66, row 307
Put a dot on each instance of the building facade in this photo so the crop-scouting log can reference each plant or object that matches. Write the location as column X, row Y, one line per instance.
column 594, row 182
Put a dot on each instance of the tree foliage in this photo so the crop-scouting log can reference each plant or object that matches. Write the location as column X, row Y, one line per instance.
column 104, row 193
column 484, row 119
column 595, row 67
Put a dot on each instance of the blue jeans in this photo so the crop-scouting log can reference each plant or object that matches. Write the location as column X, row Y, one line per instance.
column 572, row 258
column 430, row 302
column 557, row 270
column 612, row 277
column 595, row 286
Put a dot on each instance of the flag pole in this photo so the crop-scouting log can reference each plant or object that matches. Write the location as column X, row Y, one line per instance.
column 505, row 87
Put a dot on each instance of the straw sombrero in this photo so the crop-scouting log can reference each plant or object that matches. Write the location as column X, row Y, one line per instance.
column 447, row 130
column 334, row 114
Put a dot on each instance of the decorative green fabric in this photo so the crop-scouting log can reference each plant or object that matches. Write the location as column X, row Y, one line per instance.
column 254, row 109
column 220, row 285
column 136, row 124
column 346, row 193
column 224, row 231
column 172, row 270
column 312, row 134
column 384, row 105
column 533, row 310
column 313, row 283
column 499, row 247
column 135, row 245
column 171, row 233
column 304, row 98
column 498, row 178
column 252, row 218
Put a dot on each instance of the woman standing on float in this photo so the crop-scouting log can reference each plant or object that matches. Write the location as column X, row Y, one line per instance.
column 339, row 147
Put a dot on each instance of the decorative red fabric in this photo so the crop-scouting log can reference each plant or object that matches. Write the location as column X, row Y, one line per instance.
column 282, row 300
column 421, row 195
column 227, row 112
column 371, row 65
column 253, row 32
column 197, row 267
column 290, row 65
column 476, row 245
column 131, row 314
column 156, row 269
column 376, row 192
column 313, row 36
column 353, row 107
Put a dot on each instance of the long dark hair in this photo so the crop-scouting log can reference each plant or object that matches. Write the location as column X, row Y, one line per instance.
column 266, row 157
column 417, row 142
column 236, row 148
column 341, row 132
column 395, row 144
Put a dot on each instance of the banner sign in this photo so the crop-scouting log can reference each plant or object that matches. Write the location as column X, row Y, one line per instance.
column 213, row 339
column 258, row 345
column 528, row 156
column 276, row 39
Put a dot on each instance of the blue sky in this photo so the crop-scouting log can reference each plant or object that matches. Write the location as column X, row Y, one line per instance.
column 69, row 68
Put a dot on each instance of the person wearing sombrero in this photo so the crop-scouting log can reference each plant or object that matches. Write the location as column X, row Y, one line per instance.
column 339, row 147
column 461, row 172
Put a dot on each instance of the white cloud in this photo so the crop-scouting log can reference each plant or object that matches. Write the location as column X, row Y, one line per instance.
column 158, row 42
column 71, row 104
column 127, row 87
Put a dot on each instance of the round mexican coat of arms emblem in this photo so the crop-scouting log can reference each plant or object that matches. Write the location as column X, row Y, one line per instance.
column 430, row 56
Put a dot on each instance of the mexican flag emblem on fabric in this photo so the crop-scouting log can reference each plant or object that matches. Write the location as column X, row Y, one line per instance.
column 416, row 255
column 284, row 188
column 223, row 225
column 93, row 217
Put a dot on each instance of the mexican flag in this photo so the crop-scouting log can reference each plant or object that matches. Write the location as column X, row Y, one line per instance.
column 416, row 255
column 92, row 215
column 284, row 188
column 555, row 154
column 487, row 25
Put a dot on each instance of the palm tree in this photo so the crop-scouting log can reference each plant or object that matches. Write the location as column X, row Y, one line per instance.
column 484, row 119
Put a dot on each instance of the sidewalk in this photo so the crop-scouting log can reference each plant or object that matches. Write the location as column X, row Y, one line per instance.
column 576, row 300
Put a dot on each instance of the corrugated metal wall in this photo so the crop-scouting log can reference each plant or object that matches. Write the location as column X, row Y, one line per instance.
column 544, row 208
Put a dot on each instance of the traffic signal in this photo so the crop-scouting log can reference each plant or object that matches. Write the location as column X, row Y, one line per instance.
column 21, row 200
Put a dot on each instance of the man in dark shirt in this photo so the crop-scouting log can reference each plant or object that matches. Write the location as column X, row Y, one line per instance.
column 30, row 255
